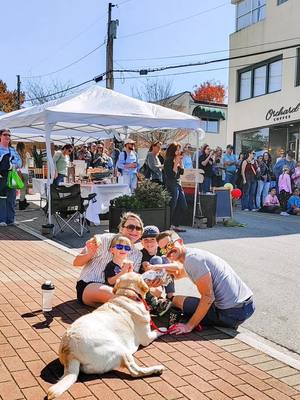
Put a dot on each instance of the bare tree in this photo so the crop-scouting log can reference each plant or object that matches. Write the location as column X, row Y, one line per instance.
column 40, row 92
column 158, row 92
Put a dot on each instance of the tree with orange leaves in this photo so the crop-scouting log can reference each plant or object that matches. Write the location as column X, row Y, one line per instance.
column 9, row 99
column 211, row 91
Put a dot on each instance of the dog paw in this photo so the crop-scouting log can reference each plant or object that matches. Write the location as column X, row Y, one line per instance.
column 159, row 369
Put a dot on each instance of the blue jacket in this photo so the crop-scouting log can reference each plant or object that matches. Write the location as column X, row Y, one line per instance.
column 131, row 158
column 283, row 162
column 15, row 159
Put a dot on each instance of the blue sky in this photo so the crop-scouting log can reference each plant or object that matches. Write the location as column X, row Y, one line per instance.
column 39, row 37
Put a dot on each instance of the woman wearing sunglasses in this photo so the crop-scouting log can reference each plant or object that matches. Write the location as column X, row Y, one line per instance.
column 94, row 258
column 225, row 300
column 8, row 158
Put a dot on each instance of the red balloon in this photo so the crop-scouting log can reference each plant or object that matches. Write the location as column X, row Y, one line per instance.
column 236, row 194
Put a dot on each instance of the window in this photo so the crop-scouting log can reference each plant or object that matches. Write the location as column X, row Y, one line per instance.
column 280, row 2
column 260, row 79
column 249, row 12
column 210, row 125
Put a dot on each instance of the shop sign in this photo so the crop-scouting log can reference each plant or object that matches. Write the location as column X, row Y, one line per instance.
column 283, row 113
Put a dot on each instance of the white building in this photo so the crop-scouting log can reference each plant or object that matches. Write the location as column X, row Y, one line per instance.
column 264, row 90
column 212, row 115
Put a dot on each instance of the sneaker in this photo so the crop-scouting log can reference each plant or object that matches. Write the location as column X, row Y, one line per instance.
column 284, row 213
column 254, row 209
column 245, row 209
column 3, row 224
column 162, row 306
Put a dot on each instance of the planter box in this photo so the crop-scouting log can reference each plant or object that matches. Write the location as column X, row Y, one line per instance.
column 161, row 217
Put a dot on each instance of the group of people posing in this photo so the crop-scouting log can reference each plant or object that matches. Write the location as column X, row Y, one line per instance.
column 224, row 299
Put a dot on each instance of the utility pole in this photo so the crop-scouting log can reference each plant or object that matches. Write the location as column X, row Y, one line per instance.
column 18, row 92
column 111, row 35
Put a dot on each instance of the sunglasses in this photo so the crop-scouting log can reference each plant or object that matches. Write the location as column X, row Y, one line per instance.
column 169, row 246
column 120, row 246
column 132, row 227
column 6, row 134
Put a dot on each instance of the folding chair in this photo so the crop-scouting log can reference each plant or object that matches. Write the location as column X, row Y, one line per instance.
column 69, row 208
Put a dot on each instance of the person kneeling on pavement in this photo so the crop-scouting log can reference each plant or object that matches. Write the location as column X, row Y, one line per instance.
column 225, row 299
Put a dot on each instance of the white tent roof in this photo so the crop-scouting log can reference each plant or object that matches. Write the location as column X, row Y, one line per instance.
column 96, row 112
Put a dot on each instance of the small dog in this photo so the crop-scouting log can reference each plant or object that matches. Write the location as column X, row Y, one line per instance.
column 108, row 337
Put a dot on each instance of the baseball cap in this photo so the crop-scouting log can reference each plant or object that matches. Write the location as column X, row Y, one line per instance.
column 150, row 231
column 129, row 141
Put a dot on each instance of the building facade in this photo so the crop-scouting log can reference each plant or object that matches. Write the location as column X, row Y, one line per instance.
column 213, row 118
column 264, row 88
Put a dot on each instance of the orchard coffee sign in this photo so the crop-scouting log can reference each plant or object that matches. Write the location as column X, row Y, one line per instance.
column 282, row 113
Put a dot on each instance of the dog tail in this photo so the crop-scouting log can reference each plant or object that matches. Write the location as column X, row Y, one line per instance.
column 70, row 376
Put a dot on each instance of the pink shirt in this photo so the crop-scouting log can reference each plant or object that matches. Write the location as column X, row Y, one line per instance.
column 296, row 176
column 284, row 183
column 271, row 200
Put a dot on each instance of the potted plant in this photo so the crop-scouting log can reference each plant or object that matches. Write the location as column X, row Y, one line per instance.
column 150, row 200
column 37, row 157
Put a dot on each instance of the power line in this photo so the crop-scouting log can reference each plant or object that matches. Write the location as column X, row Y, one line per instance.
column 61, row 91
column 67, row 66
column 208, row 52
column 173, row 22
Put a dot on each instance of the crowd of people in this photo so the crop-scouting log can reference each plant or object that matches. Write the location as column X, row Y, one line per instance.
column 225, row 299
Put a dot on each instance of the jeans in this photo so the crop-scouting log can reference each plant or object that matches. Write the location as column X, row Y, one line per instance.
column 261, row 192
column 230, row 178
column 249, row 195
column 178, row 203
column 8, row 207
column 228, row 318
column 59, row 179
column 131, row 181
column 206, row 185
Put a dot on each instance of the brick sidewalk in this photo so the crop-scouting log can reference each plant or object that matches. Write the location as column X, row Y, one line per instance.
column 200, row 366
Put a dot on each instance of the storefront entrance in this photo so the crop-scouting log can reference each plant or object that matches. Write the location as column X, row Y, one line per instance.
column 272, row 139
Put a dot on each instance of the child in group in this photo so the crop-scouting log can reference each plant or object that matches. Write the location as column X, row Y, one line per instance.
column 151, row 253
column 284, row 188
column 296, row 176
column 271, row 203
column 293, row 205
column 120, row 246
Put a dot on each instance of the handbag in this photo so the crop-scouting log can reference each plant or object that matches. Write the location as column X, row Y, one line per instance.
column 13, row 180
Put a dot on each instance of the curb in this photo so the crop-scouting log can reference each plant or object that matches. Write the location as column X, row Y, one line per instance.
column 266, row 346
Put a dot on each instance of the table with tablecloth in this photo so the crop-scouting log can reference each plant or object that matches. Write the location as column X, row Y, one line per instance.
column 105, row 193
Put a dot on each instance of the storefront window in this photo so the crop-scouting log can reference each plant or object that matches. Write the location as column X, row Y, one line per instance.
column 257, row 140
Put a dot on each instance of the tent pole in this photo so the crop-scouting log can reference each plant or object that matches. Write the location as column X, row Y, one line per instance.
column 50, row 164
column 196, row 178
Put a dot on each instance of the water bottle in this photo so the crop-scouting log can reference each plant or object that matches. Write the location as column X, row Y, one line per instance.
column 47, row 295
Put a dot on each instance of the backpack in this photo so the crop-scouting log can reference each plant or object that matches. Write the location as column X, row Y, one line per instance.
column 145, row 170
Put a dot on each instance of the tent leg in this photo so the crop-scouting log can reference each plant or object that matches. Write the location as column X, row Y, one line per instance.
column 51, row 168
column 196, row 180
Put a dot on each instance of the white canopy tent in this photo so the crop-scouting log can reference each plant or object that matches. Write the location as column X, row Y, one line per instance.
column 95, row 113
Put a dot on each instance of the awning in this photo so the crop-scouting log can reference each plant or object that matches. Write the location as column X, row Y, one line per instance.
column 208, row 112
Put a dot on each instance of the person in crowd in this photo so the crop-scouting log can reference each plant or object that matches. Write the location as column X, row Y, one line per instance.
column 249, row 176
column 23, row 171
column 296, row 176
column 91, row 288
column 173, row 169
column 114, row 153
column 198, row 153
column 129, row 165
column 120, row 246
column 288, row 162
column 187, row 156
column 225, row 299
column 102, row 160
column 271, row 203
column 154, row 164
column 94, row 155
column 282, row 154
column 218, row 168
column 284, row 187
column 61, row 161
column 206, row 162
column 293, row 204
column 230, row 161
column 263, row 178
column 9, row 158
column 84, row 154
